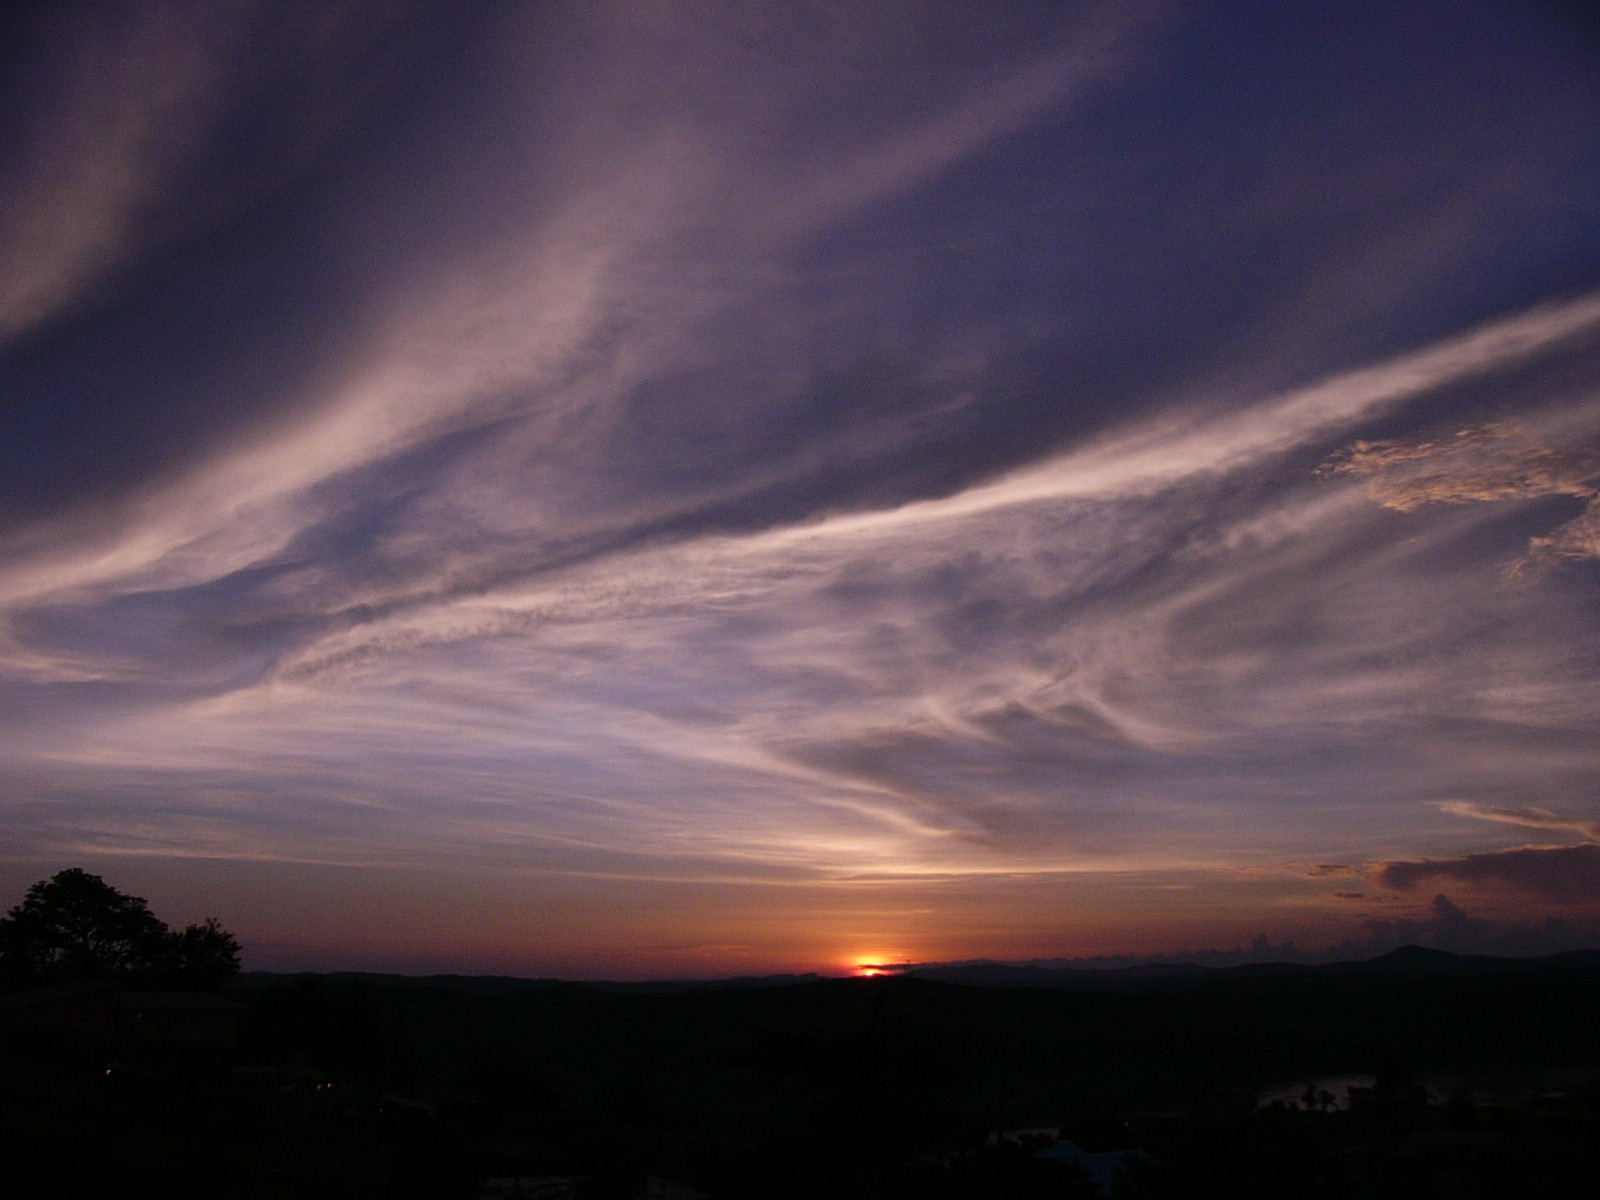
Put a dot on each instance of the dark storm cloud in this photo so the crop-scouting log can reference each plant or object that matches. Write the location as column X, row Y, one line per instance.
column 1567, row 874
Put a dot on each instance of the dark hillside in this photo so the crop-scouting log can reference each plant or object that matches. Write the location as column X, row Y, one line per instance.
column 744, row 1056
column 879, row 1088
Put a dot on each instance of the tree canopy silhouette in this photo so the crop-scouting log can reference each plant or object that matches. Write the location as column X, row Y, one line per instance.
column 74, row 926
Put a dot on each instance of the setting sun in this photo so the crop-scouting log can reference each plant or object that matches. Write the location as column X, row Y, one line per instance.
column 876, row 964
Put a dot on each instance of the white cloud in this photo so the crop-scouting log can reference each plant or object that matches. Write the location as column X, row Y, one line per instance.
column 130, row 96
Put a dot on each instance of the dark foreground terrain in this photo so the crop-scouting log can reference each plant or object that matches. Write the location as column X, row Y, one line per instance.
column 1478, row 1078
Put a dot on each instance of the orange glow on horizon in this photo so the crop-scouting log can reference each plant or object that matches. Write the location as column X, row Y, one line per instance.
column 870, row 965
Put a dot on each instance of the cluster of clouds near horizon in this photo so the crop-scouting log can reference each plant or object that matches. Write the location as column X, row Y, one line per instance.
column 601, row 489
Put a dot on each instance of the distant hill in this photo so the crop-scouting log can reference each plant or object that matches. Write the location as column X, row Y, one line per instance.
column 1419, row 960
column 505, row 985
column 1092, row 979
column 1416, row 960
column 1049, row 1043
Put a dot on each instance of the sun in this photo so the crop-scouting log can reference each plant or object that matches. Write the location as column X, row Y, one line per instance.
column 867, row 966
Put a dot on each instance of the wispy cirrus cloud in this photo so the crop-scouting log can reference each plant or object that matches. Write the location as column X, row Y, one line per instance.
column 122, row 147
column 1011, row 671
column 1530, row 816
column 533, row 316
column 884, row 454
column 132, row 96
column 963, row 687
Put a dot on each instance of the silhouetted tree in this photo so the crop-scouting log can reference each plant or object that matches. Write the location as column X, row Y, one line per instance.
column 75, row 926
column 201, row 955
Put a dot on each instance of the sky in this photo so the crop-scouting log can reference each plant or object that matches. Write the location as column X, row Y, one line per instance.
column 637, row 490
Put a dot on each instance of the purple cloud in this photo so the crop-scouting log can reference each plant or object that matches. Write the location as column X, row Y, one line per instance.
column 1569, row 874
column 1497, row 461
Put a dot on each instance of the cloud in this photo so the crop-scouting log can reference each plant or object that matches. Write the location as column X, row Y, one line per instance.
column 1532, row 817
column 1134, row 468
column 1485, row 463
column 1567, row 875
column 143, row 125
column 556, row 334
column 131, row 97
column 963, row 684
column 1576, row 541
column 1451, row 927
column 835, row 461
